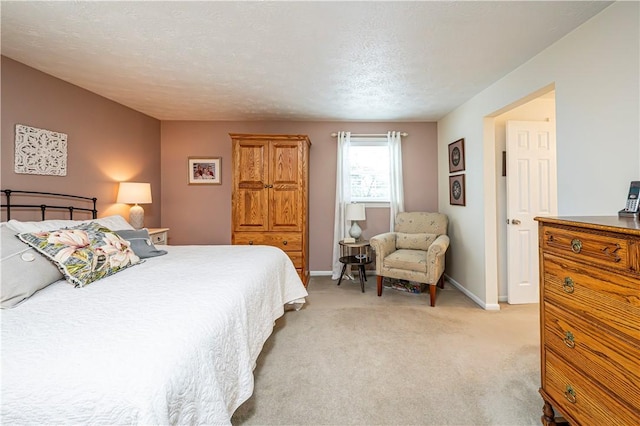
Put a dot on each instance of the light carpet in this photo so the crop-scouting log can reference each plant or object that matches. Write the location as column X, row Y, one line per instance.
column 353, row 358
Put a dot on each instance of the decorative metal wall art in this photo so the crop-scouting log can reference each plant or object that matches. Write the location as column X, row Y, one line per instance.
column 457, row 196
column 456, row 156
column 40, row 152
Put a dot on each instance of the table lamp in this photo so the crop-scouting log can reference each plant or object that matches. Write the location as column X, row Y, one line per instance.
column 135, row 193
column 354, row 213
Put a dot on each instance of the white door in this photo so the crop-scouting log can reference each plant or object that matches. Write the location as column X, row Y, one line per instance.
column 531, row 192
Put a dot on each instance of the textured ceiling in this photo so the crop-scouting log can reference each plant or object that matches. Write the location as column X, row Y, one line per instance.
column 365, row 61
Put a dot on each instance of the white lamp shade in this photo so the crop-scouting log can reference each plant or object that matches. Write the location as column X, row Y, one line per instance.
column 355, row 211
column 134, row 193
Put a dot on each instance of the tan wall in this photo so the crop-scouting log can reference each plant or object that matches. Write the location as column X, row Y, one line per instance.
column 107, row 142
column 202, row 214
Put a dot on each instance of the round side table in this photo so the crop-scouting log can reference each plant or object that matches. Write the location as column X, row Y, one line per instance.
column 356, row 254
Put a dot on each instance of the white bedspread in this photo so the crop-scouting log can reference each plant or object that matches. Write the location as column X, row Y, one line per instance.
column 171, row 341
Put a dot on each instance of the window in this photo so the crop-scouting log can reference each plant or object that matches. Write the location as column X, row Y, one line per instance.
column 369, row 163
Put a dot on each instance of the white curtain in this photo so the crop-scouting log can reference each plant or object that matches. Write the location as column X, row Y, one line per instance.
column 396, row 187
column 343, row 197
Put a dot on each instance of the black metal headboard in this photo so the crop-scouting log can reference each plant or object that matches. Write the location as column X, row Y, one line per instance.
column 8, row 193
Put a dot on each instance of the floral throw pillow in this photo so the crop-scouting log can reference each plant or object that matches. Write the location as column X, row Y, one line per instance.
column 85, row 253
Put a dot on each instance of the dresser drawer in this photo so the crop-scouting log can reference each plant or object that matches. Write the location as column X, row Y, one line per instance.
column 613, row 299
column 605, row 250
column 612, row 362
column 582, row 399
column 296, row 258
column 287, row 241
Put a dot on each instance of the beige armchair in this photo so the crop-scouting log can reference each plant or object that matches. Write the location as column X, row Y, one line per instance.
column 415, row 251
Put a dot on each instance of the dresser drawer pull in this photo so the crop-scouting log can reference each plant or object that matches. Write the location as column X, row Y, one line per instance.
column 611, row 252
column 284, row 242
column 570, row 394
column 250, row 243
column 568, row 285
column 568, row 340
column 576, row 245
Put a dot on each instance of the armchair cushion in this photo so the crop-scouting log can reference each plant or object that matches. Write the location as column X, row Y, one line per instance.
column 411, row 260
column 418, row 241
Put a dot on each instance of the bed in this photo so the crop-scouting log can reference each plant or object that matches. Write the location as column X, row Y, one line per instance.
column 170, row 340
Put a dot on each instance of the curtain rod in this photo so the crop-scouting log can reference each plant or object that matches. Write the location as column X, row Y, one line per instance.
column 335, row 135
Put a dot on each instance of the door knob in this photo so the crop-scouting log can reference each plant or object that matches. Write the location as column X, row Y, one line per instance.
column 515, row 222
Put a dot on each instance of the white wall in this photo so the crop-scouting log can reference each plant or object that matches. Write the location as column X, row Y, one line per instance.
column 595, row 71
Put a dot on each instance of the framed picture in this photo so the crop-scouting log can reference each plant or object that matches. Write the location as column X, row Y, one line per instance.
column 204, row 171
column 456, row 190
column 456, row 156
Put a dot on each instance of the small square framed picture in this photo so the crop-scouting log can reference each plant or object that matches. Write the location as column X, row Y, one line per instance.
column 204, row 171
column 456, row 190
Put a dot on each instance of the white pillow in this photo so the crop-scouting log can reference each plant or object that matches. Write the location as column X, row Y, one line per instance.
column 115, row 222
column 45, row 225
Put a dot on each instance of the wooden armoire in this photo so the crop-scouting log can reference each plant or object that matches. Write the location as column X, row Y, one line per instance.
column 270, row 199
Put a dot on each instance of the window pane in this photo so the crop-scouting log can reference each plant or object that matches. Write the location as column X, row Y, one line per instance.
column 369, row 172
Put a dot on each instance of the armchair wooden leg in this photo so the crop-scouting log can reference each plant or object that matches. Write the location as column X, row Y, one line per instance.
column 432, row 294
column 379, row 285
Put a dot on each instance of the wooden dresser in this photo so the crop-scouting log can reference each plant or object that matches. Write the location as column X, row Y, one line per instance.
column 590, row 320
column 270, row 194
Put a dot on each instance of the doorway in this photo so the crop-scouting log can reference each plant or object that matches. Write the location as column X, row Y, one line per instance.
column 538, row 109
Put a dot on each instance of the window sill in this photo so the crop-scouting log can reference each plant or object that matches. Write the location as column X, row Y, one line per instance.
column 376, row 204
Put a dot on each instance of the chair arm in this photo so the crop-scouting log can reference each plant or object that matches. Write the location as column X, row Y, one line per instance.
column 435, row 258
column 438, row 246
column 384, row 245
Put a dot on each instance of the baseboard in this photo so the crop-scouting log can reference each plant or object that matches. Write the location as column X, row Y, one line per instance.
column 483, row 305
column 330, row 273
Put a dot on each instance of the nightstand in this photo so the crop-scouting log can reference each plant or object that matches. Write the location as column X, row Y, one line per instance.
column 159, row 235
